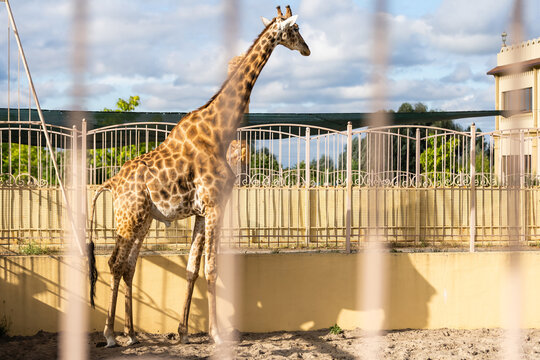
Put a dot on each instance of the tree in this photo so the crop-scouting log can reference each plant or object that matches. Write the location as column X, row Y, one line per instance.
column 405, row 108
column 125, row 106
column 27, row 163
column 108, row 161
column 441, row 162
column 263, row 165
column 408, row 108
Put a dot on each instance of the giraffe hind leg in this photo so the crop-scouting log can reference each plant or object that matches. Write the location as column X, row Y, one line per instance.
column 128, row 326
column 128, row 279
column 108, row 332
column 210, row 270
column 192, row 270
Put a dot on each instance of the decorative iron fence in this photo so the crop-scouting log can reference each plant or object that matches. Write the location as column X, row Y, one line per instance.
column 298, row 186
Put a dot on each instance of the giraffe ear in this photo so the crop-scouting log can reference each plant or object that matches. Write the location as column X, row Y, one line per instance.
column 288, row 22
column 265, row 21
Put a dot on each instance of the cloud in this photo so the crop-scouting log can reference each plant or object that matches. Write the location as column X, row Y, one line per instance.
column 462, row 73
column 172, row 53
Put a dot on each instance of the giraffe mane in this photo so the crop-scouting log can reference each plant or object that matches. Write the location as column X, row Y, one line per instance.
column 237, row 66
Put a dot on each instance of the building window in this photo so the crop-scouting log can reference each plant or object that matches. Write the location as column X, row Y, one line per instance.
column 512, row 171
column 520, row 100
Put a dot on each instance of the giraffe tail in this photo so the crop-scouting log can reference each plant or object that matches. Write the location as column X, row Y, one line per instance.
column 92, row 270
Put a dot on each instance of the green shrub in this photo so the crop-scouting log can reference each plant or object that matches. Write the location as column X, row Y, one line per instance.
column 336, row 330
column 35, row 249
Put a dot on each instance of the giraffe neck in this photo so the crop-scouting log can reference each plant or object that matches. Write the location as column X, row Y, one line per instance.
column 230, row 102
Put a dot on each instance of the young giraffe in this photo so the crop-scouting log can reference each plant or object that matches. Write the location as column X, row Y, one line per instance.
column 187, row 175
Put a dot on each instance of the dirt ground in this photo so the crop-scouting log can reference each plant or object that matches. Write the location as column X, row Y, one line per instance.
column 320, row 344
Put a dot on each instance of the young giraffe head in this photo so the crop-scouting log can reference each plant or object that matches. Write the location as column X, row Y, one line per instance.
column 289, row 32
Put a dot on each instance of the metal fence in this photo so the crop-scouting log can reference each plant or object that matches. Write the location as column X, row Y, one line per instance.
column 299, row 186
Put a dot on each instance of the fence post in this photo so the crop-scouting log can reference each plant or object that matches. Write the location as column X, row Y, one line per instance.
column 417, row 185
column 84, row 173
column 417, row 170
column 348, row 219
column 308, row 184
column 523, row 217
column 472, row 209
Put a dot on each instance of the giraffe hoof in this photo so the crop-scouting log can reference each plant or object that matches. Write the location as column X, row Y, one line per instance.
column 217, row 340
column 111, row 344
column 183, row 339
column 132, row 340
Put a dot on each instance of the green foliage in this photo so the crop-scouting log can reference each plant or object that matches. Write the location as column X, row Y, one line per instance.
column 125, row 106
column 108, row 161
column 35, row 249
column 440, row 159
column 21, row 159
column 262, row 165
column 405, row 108
column 263, row 159
column 408, row 108
column 325, row 164
column 336, row 330
column 122, row 106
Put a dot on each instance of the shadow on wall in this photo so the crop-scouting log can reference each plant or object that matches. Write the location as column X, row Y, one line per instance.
column 28, row 299
column 275, row 292
column 319, row 290
column 159, row 289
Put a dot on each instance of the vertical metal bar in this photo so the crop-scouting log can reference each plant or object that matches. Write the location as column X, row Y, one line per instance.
column 417, row 185
column 83, row 168
column 417, row 157
column 522, row 169
column 307, row 185
column 349, row 190
column 472, row 208
column 28, row 150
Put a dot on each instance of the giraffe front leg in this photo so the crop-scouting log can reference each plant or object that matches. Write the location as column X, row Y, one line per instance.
column 192, row 270
column 210, row 270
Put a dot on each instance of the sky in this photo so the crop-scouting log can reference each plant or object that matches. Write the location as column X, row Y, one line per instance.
column 173, row 54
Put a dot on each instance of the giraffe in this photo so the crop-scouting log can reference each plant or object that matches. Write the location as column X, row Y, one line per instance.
column 238, row 151
column 238, row 159
column 186, row 175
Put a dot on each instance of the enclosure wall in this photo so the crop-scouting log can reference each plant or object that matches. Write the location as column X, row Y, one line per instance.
column 298, row 291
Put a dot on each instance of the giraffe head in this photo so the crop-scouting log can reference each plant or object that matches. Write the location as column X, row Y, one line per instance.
column 288, row 32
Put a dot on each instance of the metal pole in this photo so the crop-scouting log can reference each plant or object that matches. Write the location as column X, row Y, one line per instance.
column 349, row 189
column 472, row 210
column 45, row 133
column 84, row 174
column 417, row 170
column 417, row 191
column 308, row 183
column 521, row 197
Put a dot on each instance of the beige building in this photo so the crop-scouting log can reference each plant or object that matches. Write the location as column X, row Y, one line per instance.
column 516, row 89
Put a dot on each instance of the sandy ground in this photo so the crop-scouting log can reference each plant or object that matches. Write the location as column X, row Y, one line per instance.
column 320, row 344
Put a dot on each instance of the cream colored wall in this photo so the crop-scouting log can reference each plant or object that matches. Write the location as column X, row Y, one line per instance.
column 299, row 291
column 523, row 51
column 512, row 82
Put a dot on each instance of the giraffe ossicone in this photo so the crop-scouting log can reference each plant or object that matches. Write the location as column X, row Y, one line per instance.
column 186, row 175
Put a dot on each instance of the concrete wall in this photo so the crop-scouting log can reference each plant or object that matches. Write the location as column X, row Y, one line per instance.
column 299, row 291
